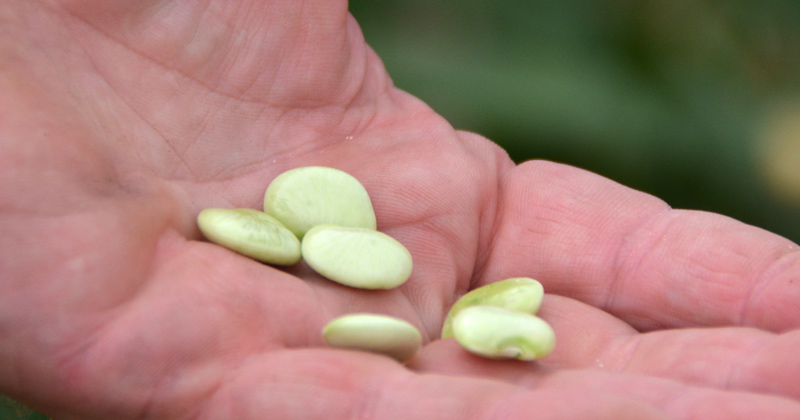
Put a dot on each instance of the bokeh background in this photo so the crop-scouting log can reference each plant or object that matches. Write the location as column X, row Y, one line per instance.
column 695, row 101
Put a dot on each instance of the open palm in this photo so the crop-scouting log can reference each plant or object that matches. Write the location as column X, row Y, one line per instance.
column 120, row 121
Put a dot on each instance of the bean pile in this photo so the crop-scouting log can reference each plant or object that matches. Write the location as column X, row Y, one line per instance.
column 324, row 216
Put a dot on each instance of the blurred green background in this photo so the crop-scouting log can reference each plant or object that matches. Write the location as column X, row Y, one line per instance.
column 12, row 410
column 697, row 102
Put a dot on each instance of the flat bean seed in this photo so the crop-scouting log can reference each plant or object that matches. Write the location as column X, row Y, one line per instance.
column 356, row 257
column 302, row 198
column 251, row 233
column 501, row 333
column 374, row 333
column 519, row 293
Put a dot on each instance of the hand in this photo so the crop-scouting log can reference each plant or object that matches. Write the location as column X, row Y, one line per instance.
column 120, row 121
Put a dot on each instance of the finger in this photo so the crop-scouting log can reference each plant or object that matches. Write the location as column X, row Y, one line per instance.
column 354, row 385
column 725, row 358
column 677, row 399
column 587, row 237
column 742, row 359
column 345, row 385
column 736, row 358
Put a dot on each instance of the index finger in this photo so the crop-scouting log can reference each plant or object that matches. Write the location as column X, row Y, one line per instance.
column 629, row 253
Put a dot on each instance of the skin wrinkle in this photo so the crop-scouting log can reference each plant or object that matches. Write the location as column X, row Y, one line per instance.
column 309, row 147
column 229, row 375
column 483, row 202
column 333, row 141
column 117, row 92
column 754, row 278
column 114, row 41
column 672, row 401
column 182, row 151
column 154, row 407
column 735, row 370
column 190, row 144
column 692, row 268
column 622, row 268
column 485, row 246
column 378, row 395
column 255, row 38
column 286, row 60
column 164, row 66
column 357, row 104
column 296, row 65
column 631, row 344
column 371, row 406
column 240, row 96
column 429, row 328
column 445, row 269
column 206, row 398
column 281, row 69
column 165, row 139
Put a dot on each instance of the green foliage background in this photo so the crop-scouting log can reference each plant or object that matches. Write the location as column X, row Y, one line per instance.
column 12, row 410
column 669, row 97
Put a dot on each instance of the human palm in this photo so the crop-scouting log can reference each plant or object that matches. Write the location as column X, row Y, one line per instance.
column 122, row 120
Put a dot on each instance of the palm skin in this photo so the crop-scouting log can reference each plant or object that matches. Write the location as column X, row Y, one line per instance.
column 120, row 121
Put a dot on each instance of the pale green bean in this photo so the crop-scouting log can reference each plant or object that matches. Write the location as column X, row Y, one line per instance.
column 519, row 293
column 374, row 333
column 500, row 333
column 251, row 233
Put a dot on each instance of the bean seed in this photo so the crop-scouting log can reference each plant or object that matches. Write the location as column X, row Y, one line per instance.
column 304, row 197
column 252, row 233
column 501, row 333
column 374, row 333
column 521, row 294
column 357, row 257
